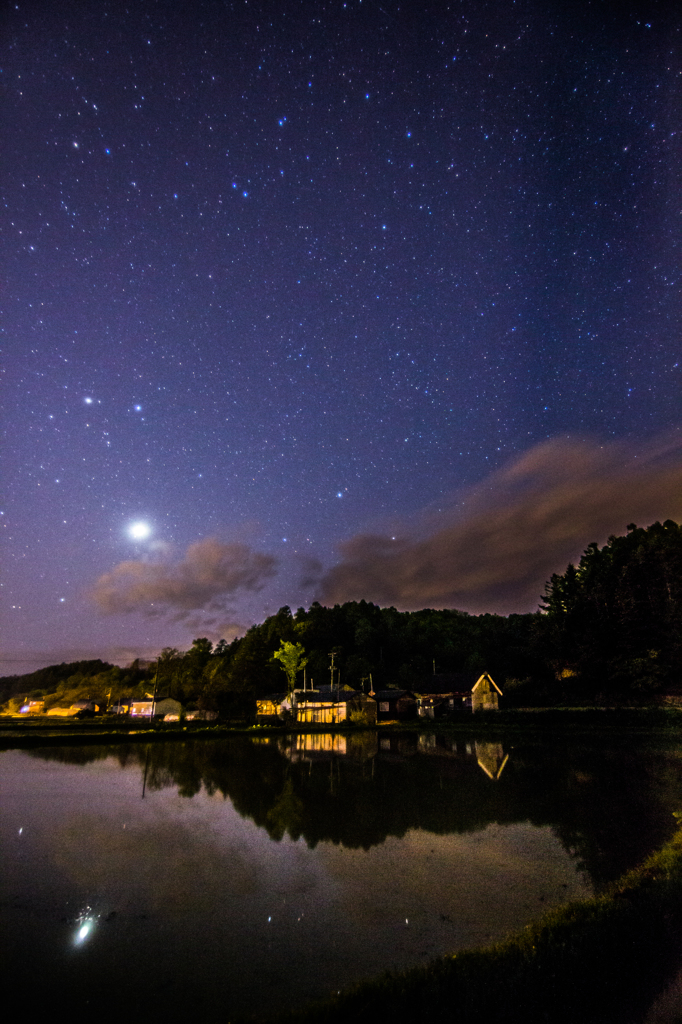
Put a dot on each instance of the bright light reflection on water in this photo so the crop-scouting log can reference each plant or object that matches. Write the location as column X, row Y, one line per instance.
column 83, row 932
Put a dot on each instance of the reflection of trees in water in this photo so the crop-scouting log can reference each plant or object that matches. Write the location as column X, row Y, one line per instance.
column 609, row 801
column 74, row 755
column 286, row 815
column 612, row 801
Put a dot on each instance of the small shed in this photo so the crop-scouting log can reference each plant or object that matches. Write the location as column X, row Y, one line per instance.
column 84, row 708
column 168, row 706
column 393, row 704
column 443, row 693
column 485, row 695
column 451, row 691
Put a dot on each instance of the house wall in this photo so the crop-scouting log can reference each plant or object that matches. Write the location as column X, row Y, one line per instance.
column 141, row 707
column 168, row 706
column 484, row 697
column 321, row 714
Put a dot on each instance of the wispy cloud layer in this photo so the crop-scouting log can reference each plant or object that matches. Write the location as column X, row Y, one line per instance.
column 495, row 550
column 209, row 573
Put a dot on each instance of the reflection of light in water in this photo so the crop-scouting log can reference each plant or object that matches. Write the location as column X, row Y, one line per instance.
column 86, row 925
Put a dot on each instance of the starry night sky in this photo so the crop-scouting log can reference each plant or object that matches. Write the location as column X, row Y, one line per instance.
column 341, row 300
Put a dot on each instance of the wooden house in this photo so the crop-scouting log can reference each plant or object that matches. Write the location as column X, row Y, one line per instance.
column 443, row 693
column 168, row 706
column 333, row 706
column 456, row 691
column 141, row 708
column 485, row 694
column 394, row 704
column 270, row 708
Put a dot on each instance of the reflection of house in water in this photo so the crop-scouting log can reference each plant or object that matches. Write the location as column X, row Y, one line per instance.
column 327, row 746
column 427, row 742
column 458, row 753
column 320, row 743
column 492, row 758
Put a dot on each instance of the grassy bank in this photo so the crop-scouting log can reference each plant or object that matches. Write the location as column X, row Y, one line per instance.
column 16, row 732
column 42, row 732
column 599, row 961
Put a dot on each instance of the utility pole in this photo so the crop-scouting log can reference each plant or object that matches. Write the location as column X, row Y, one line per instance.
column 156, row 679
column 331, row 691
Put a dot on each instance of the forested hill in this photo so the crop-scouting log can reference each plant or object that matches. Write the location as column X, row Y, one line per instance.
column 610, row 627
column 67, row 675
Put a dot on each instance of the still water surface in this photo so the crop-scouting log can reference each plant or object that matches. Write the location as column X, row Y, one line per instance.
column 215, row 878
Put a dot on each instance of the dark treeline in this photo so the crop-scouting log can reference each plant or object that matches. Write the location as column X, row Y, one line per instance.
column 615, row 620
column 610, row 628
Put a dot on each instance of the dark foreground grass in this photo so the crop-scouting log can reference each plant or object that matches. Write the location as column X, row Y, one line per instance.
column 598, row 961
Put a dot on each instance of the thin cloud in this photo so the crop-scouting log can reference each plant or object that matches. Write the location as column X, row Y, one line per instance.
column 496, row 549
column 209, row 573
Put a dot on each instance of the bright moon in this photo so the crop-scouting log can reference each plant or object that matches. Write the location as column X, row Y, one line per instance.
column 138, row 531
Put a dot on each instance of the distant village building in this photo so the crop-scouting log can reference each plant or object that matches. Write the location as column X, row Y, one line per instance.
column 168, row 706
column 270, row 707
column 147, row 708
column 444, row 692
column 394, row 704
column 485, row 694
column 331, row 706
column 141, row 708
column 32, row 707
column 86, row 705
column 82, row 708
